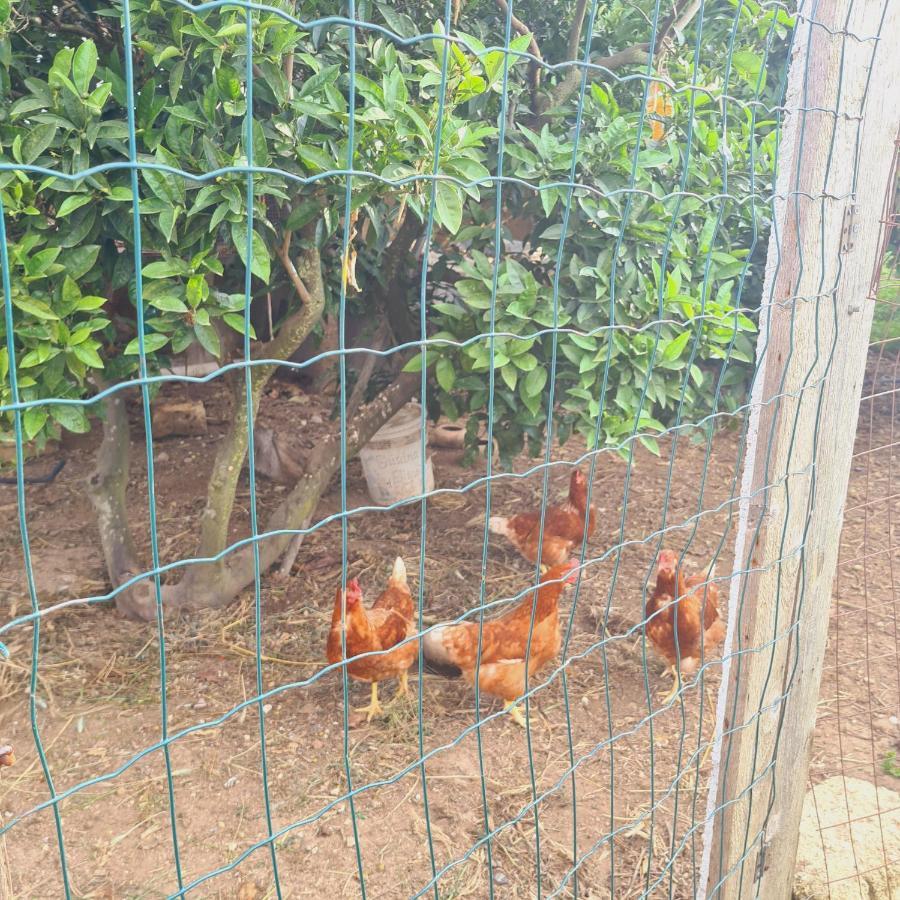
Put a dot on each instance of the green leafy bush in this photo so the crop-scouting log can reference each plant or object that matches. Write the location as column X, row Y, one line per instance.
column 658, row 270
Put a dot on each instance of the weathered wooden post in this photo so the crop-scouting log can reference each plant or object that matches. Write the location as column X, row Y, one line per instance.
column 843, row 109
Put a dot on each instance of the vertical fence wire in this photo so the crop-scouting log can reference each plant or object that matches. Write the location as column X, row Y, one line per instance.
column 858, row 734
column 655, row 874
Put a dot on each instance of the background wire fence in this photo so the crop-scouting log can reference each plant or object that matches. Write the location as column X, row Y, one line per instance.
column 857, row 732
column 219, row 753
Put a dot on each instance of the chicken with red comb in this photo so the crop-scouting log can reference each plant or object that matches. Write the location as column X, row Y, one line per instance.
column 451, row 649
column 683, row 622
column 564, row 526
column 385, row 625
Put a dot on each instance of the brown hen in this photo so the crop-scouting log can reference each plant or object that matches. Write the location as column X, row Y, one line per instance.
column 452, row 650
column 686, row 607
column 386, row 624
column 564, row 526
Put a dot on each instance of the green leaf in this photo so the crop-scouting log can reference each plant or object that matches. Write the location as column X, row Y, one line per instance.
column 164, row 54
column 186, row 114
column 314, row 158
column 233, row 320
column 165, row 268
column 90, row 303
column 527, row 362
column 398, row 22
column 302, row 214
column 449, row 206
column 71, row 203
column 37, row 141
column 80, row 260
column 169, row 304
column 197, row 290
column 414, row 365
column 88, row 355
column 260, row 150
column 72, row 418
column 235, row 28
column 84, row 64
column 534, row 382
column 41, row 261
column 510, row 375
column 748, row 65
column 36, row 308
column 260, row 265
column 650, row 443
column 152, row 343
column 33, row 420
column 122, row 194
column 674, row 348
column 175, row 78
column 166, row 222
column 209, row 339
column 445, row 374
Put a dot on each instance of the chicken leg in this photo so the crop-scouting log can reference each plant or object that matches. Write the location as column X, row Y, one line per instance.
column 515, row 713
column 403, row 687
column 667, row 698
column 374, row 708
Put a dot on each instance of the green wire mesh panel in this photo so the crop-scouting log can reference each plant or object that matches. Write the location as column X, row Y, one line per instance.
column 546, row 222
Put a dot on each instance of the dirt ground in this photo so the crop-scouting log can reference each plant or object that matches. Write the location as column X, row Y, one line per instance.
column 97, row 699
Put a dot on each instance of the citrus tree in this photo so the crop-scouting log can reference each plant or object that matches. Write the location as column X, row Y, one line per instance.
column 113, row 268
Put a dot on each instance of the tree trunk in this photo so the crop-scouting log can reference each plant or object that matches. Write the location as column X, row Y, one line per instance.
column 106, row 488
column 202, row 588
column 226, row 471
column 216, row 584
column 232, row 451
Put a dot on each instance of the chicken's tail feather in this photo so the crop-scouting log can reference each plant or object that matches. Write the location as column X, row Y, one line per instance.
column 437, row 660
column 398, row 573
column 444, row 669
column 499, row 525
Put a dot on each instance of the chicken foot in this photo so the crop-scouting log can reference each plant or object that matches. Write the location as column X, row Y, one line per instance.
column 667, row 698
column 374, row 708
column 515, row 713
column 402, row 688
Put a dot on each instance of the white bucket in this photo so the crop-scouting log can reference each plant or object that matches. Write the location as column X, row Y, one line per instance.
column 392, row 460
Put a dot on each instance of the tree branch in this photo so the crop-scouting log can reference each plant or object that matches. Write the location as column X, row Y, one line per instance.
column 232, row 450
column 638, row 54
column 379, row 341
column 306, row 277
column 284, row 254
column 106, row 487
column 198, row 590
column 387, row 291
column 575, row 30
column 534, row 67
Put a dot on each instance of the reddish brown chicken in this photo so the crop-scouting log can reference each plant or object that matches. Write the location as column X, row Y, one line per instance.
column 453, row 649
column 386, row 624
column 695, row 617
column 564, row 526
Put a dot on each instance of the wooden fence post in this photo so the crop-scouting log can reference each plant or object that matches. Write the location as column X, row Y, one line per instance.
column 814, row 328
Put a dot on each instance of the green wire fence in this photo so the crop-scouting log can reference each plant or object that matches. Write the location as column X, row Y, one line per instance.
column 642, row 319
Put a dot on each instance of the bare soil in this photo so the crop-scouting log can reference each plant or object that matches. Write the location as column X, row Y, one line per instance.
column 97, row 697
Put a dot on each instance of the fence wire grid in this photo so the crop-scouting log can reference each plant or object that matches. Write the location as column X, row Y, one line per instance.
column 860, row 693
column 605, row 792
